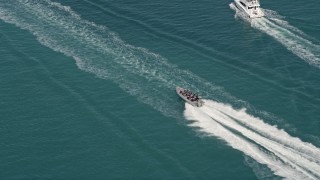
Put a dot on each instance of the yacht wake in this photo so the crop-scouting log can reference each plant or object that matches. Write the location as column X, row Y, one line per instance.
column 286, row 156
column 289, row 36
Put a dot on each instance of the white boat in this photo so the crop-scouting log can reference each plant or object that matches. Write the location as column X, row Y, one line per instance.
column 250, row 7
column 189, row 97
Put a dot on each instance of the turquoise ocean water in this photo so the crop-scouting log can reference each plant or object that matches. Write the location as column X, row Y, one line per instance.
column 87, row 90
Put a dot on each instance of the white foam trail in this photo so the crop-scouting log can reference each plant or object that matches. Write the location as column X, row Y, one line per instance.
column 211, row 127
column 298, row 45
column 271, row 132
column 286, row 156
column 98, row 50
column 290, row 37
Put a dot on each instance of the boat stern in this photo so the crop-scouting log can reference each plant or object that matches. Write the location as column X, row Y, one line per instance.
column 258, row 13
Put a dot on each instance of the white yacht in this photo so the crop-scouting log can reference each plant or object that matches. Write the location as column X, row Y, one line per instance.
column 250, row 7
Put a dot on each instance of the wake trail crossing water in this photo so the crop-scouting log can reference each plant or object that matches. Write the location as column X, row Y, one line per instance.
column 151, row 79
column 285, row 155
column 289, row 36
column 99, row 51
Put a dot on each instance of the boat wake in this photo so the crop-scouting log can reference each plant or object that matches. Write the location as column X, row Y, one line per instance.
column 143, row 74
column 285, row 155
column 99, row 51
column 290, row 37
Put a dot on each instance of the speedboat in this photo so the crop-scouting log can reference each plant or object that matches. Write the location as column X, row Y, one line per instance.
column 250, row 7
column 189, row 97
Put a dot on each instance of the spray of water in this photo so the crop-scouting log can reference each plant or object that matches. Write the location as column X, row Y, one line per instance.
column 285, row 155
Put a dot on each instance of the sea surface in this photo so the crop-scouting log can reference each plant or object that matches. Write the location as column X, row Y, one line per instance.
column 87, row 90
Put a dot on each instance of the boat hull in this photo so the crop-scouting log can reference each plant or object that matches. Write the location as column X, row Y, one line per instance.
column 257, row 13
column 197, row 103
